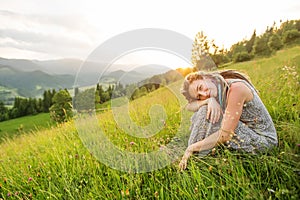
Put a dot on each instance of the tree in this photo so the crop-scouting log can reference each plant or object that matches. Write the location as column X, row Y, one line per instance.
column 100, row 93
column 61, row 110
column 275, row 42
column 260, row 47
column 47, row 99
column 85, row 100
column 241, row 57
column 3, row 112
column 238, row 47
column 250, row 43
column 291, row 36
column 201, row 59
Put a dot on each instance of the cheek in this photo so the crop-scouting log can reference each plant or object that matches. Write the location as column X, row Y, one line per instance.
column 191, row 93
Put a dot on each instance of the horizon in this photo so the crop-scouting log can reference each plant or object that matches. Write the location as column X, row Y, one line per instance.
column 73, row 29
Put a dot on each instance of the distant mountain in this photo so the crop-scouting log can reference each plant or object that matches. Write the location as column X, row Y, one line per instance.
column 20, row 64
column 29, row 78
column 33, row 83
column 61, row 66
column 151, row 70
column 136, row 75
column 123, row 77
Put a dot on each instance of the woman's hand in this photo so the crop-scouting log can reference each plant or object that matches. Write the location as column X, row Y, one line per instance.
column 184, row 159
column 214, row 110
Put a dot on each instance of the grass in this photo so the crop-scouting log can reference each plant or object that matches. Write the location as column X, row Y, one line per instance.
column 15, row 127
column 63, row 162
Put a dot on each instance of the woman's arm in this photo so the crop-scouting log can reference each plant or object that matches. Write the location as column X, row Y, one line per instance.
column 214, row 109
column 238, row 94
column 194, row 106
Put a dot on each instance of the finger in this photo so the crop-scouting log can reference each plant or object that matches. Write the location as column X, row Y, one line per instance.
column 219, row 115
column 208, row 113
column 212, row 116
column 182, row 166
column 216, row 116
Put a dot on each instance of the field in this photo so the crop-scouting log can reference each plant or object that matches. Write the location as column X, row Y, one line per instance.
column 94, row 157
column 12, row 128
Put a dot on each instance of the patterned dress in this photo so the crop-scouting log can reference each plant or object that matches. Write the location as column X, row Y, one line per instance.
column 255, row 130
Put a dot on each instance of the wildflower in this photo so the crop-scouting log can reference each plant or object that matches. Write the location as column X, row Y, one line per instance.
column 8, row 194
column 196, row 190
column 29, row 179
column 210, row 168
column 4, row 180
column 213, row 151
column 162, row 147
column 271, row 190
column 127, row 192
column 132, row 143
column 156, row 194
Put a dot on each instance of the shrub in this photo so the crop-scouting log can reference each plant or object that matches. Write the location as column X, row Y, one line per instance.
column 275, row 42
column 291, row 36
column 241, row 57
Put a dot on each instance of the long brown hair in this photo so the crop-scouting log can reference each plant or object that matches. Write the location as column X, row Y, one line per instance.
column 220, row 76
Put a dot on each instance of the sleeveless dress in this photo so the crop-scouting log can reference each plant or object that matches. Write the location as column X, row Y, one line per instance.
column 255, row 131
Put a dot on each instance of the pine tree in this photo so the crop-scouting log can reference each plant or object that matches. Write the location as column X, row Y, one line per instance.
column 250, row 43
column 201, row 59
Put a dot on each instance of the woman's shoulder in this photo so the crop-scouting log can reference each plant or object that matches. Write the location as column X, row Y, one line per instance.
column 234, row 80
column 239, row 87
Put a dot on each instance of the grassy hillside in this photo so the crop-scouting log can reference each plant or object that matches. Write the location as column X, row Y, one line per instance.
column 14, row 127
column 55, row 164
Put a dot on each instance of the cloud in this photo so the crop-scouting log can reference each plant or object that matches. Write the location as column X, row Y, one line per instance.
column 57, row 35
column 70, row 22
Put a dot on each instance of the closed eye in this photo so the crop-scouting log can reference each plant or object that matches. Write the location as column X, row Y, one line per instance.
column 199, row 87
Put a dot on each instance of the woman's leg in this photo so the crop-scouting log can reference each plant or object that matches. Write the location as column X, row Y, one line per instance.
column 248, row 140
column 245, row 139
column 201, row 127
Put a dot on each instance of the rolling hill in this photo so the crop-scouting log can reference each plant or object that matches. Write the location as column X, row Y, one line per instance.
column 29, row 78
column 32, row 83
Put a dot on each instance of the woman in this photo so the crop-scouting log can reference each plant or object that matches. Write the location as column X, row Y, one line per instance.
column 237, row 117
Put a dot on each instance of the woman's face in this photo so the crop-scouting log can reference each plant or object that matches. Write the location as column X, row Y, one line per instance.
column 203, row 89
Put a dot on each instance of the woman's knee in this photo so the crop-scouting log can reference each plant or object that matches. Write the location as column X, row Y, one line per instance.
column 202, row 112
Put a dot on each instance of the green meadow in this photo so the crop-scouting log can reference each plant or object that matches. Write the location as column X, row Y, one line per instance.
column 54, row 163
column 12, row 128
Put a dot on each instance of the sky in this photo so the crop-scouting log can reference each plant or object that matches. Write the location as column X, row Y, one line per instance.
column 54, row 29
